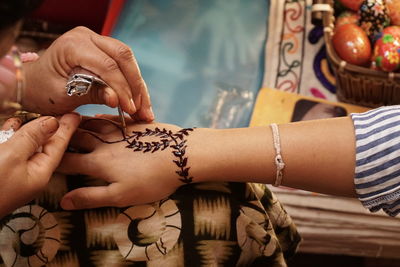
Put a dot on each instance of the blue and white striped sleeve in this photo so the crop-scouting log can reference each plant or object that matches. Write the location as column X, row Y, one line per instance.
column 377, row 171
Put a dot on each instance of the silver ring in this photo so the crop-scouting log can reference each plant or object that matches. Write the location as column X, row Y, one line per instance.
column 5, row 135
column 79, row 84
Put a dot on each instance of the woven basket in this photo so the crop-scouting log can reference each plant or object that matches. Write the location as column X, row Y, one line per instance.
column 355, row 84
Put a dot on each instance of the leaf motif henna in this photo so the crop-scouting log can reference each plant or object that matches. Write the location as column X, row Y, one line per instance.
column 167, row 137
column 176, row 141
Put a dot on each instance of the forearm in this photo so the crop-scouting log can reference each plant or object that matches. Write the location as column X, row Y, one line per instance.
column 319, row 155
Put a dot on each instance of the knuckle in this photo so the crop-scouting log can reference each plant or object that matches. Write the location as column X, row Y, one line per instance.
column 92, row 162
column 70, row 39
column 145, row 95
column 30, row 137
column 66, row 41
column 117, row 199
column 124, row 52
column 140, row 87
column 60, row 139
column 140, row 84
column 67, row 38
column 81, row 29
column 110, row 64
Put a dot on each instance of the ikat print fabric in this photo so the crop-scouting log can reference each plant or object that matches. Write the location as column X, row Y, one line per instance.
column 208, row 224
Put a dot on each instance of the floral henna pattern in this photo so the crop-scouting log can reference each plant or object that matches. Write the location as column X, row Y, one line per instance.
column 176, row 141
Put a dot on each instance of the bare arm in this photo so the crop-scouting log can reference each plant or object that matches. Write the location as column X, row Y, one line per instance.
column 319, row 155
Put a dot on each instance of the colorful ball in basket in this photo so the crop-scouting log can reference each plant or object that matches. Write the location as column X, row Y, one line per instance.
column 352, row 44
column 393, row 7
column 352, row 4
column 387, row 53
column 347, row 17
column 373, row 17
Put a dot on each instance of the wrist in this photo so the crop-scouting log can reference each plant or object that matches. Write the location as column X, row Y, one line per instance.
column 232, row 155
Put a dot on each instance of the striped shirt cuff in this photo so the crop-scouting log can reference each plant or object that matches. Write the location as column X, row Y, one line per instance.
column 377, row 171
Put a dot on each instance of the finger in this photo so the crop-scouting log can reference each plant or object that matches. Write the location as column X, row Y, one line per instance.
column 88, row 198
column 12, row 123
column 127, row 63
column 145, row 112
column 55, row 147
column 100, row 94
column 74, row 163
column 110, row 97
column 99, row 62
column 84, row 141
column 32, row 135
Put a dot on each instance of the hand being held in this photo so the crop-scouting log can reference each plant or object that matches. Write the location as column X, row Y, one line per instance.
column 108, row 58
column 24, row 171
column 148, row 165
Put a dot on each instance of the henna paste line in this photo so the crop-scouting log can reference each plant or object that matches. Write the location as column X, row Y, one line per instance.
column 176, row 141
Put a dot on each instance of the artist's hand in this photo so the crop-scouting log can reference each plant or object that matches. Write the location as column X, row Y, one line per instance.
column 24, row 172
column 141, row 173
column 108, row 58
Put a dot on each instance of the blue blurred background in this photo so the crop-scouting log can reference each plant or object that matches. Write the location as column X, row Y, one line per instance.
column 202, row 59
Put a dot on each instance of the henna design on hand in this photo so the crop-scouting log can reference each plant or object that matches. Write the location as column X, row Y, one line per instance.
column 176, row 141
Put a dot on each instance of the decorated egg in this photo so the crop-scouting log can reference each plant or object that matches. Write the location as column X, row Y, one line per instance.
column 393, row 30
column 373, row 17
column 352, row 44
column 352, row 4
column 347, row 17
column 393, row 7
column 386, row 55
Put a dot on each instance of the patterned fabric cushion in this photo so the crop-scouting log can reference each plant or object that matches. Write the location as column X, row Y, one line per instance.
column 209, row 224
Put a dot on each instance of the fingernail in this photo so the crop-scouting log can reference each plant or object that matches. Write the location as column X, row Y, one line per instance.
column 17, row 122
column 76, row 113
column 138, row 100
column 67, row 204
column 29, row 57
column 132, row 106
column 151, row 114
column 12, row 123
column 49, row 125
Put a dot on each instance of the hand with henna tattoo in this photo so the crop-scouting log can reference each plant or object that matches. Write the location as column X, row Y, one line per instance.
column 154, row 159
column 148, row 163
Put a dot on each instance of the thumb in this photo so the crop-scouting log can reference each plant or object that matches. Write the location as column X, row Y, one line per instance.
column 33, row 135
